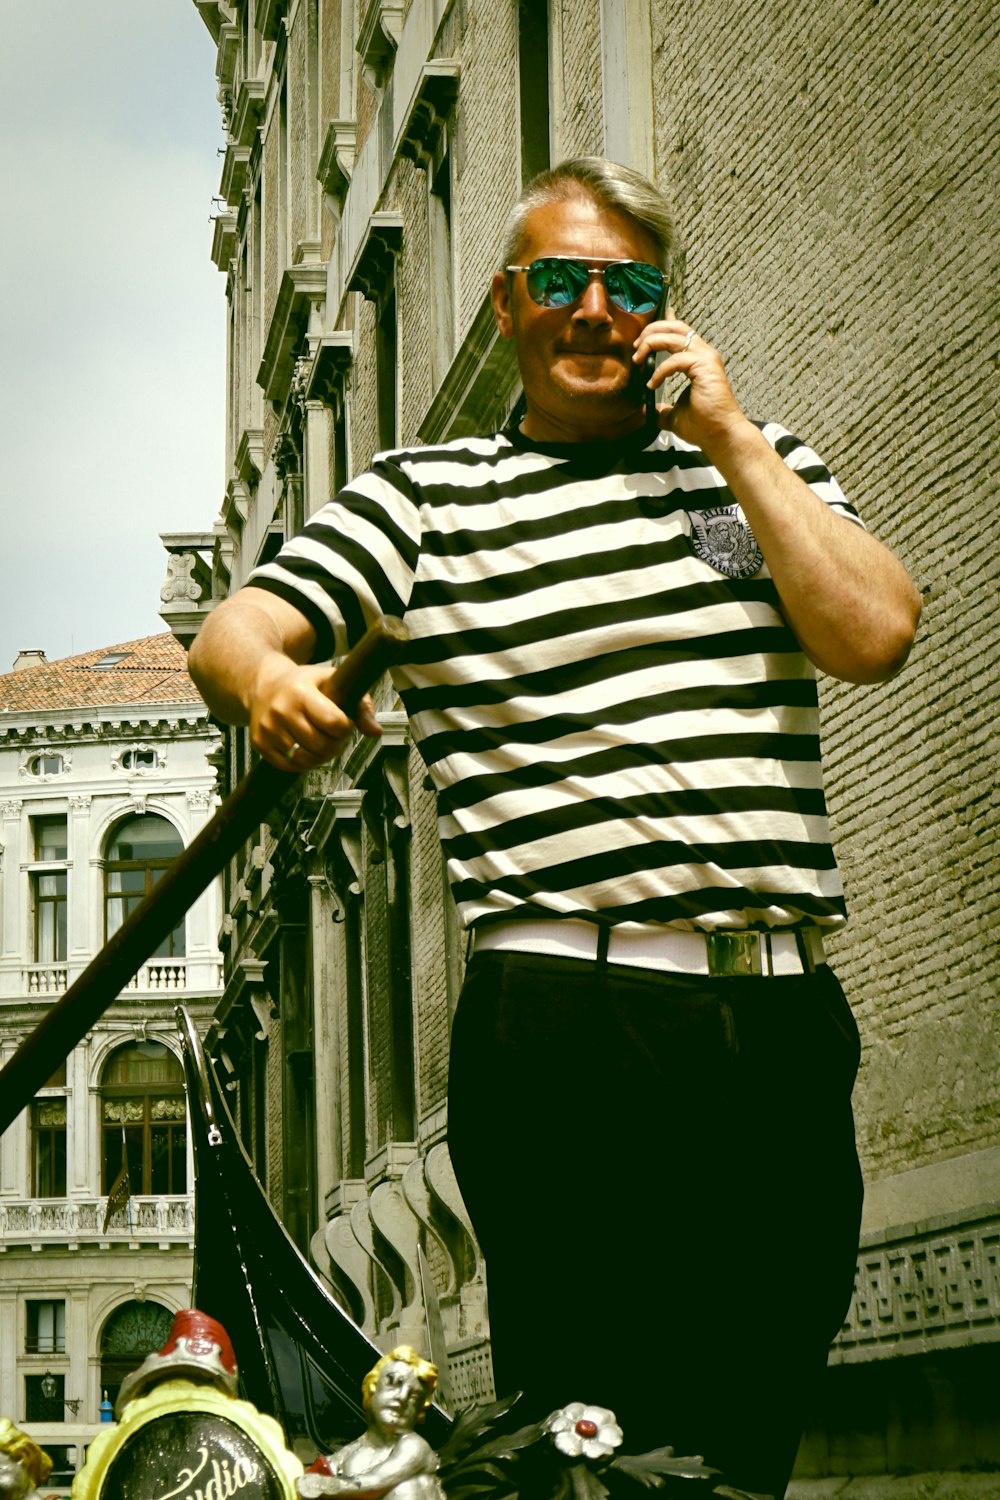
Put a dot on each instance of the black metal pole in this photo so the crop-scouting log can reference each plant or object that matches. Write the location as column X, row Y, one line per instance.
column 104, row 978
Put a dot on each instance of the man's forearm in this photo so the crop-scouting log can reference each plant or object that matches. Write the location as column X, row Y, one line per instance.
column 849, row 601
column 226, row 656
column 250, row 663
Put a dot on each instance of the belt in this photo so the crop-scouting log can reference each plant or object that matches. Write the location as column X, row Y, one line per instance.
column 650, row 946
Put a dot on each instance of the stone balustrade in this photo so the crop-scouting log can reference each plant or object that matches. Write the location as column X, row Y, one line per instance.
column 158, row 976
column 68, row 1221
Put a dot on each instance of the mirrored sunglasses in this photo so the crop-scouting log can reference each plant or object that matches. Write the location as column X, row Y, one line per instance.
column 558, row 280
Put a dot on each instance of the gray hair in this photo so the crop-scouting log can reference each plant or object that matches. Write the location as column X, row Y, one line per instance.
column 611, row 185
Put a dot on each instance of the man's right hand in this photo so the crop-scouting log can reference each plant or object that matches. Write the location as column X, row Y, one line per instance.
column 250, row 663
column 294, row 722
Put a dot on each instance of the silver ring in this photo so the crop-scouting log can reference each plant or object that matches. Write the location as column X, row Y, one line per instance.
column 687, row 342
column 293, row 750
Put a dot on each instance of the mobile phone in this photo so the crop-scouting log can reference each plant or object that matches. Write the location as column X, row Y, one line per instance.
column 641, row 374
column 639, row 393
column 648, row 366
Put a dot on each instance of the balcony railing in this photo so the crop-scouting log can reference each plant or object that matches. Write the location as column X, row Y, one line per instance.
column 44, row 979
column 61, row 1221
column 159, row 976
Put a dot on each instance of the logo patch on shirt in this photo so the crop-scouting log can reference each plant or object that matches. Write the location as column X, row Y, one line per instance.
column 723, row 539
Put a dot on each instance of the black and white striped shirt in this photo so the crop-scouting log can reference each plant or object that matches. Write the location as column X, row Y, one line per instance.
column 616, row 729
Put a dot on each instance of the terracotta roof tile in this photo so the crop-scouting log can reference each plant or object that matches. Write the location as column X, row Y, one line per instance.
column 150, row 670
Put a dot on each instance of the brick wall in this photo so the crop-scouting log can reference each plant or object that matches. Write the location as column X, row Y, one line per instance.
column 364, row 412
column 274, row 253
column 832, row 179
column 329, row 64
column 379, row 1023
column 414, row 293
column 301, row 132
column 486, row 154
column 275, row 1141
column 430, row 995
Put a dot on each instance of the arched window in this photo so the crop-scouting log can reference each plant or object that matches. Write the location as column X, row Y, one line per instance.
column 139, row 851
column 143, row 1114
column 133, row 1330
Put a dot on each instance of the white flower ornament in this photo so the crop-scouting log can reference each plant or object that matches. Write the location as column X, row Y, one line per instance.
column 588, row 1431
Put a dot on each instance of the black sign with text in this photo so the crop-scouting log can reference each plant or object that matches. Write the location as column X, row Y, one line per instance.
column 191, row 1455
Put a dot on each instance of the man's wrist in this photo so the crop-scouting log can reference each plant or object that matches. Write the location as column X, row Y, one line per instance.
column 272, row 666
column 737, row 447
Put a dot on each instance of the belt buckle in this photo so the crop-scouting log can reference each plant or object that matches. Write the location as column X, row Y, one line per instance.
column 733, row 953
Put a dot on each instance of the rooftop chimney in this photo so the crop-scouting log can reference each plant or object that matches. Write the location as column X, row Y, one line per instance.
column 28, row 659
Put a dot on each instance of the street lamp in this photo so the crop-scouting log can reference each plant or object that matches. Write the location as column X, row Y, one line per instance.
column 50, row 1385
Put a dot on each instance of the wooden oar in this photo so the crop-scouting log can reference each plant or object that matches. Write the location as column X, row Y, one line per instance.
column 86, row 1000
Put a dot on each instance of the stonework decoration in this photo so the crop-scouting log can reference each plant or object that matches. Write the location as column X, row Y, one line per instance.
column 931, row 1291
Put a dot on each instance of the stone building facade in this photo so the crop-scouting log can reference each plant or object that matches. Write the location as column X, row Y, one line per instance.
column 833, row 186
column 104, row 775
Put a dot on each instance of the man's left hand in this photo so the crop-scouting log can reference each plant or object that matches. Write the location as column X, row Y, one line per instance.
column 706, row 412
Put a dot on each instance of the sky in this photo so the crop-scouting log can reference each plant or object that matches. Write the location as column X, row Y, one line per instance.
column 112, row 315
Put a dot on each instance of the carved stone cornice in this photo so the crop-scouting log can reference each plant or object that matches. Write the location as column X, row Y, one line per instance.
column 287, row 454
column 235, row 164
column 246, row 993
column 386, row 786
column 336, row 159
column 270, row 14
column 85, row 729
column 395, row 761
column 248, row 464
column 248, row 110
column 229, row 50
column 328, row 371
column 433, row 98
column 336, row 836
column 378, row 38
column 235, row 506
column 223, row 240
column 302, row 291
column 373, row 265
column 186, row 593
column 289, row 857
column 212, row 14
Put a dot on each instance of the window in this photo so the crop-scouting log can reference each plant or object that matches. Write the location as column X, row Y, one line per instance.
column 46, row 765
column 140, row 760
column 50, row 917
column 49, row 890
column 41, row 1408
column 143, row 1115
column 48, row 1148
column 140, row 850
column 46, row 1332
column 133, row 1331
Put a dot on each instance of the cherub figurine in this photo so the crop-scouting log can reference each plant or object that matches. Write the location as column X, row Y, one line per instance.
column 391, row 1457
column 23, row 1465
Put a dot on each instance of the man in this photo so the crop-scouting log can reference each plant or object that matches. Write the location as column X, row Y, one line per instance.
column 615, row 617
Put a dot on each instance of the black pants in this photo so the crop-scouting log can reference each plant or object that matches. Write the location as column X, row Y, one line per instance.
column 662, row 1175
